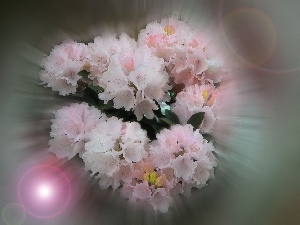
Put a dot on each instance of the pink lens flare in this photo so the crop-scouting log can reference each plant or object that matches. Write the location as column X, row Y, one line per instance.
column 44, row 191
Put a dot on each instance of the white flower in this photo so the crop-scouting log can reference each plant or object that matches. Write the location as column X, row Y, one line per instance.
column 101, row 163
column 161, row 200
column 72, row 125
column 63, row 147
column 201, row 173
column 141, row 191
column 209, row 120
column 144, row 106
column 61, row 67
column 184, row 166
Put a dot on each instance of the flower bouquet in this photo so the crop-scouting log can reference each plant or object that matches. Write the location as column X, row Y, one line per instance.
column 146, row 110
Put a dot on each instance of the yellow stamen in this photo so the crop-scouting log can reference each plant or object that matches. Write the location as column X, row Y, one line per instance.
column 204, row 95
column 160, row 181
column 153, row 179
column 169, row 29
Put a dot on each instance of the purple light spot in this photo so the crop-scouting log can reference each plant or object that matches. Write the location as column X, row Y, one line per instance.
column 44, row 191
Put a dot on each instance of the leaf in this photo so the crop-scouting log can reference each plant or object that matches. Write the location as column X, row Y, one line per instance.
column 196, row 119
column 120, row 114
column 156, row 128
column 83, row 73
column 90, row 96
column 172, row 116
column 172, row 94
column 96, row 88
column 167, row 121
column 151, row 132
column 208, row 137
column 108, row 105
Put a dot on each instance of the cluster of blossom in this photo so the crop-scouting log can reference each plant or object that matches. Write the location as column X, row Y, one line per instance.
column 194, row 99
column 135, row 75
column 62, row 66
column 139, row 77
column 186, row 57
column 120, row 154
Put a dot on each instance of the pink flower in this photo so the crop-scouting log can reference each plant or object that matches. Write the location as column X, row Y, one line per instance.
column 144, row 106
column 116, row 146
column 125, row 173
column 72, row 124
column 142, row 191
column 101, row 163
column 100, row 53
column 126, row 191
column 194, row 99
column 176, row 140
column 209, row 120
column 161, row 200
column 183, row 166
column 61, row 67
column 181, row 152
column 64, row 147
column 135, row 82
column 201, row 173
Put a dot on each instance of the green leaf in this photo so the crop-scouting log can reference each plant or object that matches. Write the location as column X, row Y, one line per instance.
column 83, row 73
column 172, row 94
column 151, row 132
column 96, row 89
column 172, row 116
column 167, row 121
column 107, row 106
column 196, row 119
column 156, row 128
column 208, row 137
column 90, row 96
column 120, row 114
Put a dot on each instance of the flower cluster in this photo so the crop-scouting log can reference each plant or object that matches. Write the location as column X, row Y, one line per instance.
column 150, row 107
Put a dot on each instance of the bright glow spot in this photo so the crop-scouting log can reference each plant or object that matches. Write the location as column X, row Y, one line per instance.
column 44, row 191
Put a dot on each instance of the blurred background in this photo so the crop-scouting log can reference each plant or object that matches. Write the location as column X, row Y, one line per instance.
column 257, row 136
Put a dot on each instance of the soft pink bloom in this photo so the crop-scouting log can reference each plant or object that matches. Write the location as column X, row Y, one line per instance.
column 61, row 67
column 114, row 148
column 183, row 166
column 99, row 162
column 216, row 71
column 179, row 138
column 142, row 191
column 161, row 159
column 125, row 173
column 100, row 53
column 177, row 153
column 64, row 147
column 144, row 106
column 209, row 120
column 161, row 200
column 72, row 125
column 201, row 173
column 194, row 99
column 105, row 181
column 126, row 191
column 134, row 82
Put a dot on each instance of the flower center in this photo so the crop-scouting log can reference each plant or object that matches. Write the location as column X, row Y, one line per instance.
column 153, row 179
column 169, row 29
